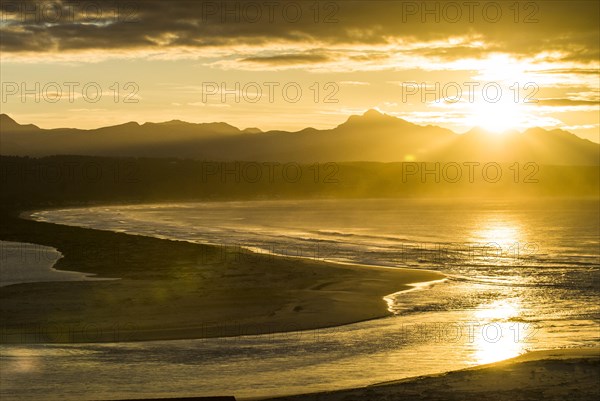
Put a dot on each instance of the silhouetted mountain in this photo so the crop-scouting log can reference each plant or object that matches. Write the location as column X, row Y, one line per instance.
column 372, row 136
column 252, row 131
column 8, row 124
column 534, row 145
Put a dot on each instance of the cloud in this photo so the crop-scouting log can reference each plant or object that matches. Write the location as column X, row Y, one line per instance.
column 288, row 59
column 568, row 29
column 567, row 102
column 572, row 71
column 355, row 83
column 580, row 127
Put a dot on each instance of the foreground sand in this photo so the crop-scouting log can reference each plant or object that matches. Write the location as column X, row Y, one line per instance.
column 176, row 290
column 569, row 374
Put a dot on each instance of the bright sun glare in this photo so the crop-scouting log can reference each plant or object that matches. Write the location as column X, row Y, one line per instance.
column 496, row 117
column 499, row 110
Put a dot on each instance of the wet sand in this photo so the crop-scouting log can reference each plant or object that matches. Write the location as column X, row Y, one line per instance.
column 567, row 374
column 179, row 290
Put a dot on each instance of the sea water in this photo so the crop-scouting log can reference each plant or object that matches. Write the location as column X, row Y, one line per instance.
column 521, row 275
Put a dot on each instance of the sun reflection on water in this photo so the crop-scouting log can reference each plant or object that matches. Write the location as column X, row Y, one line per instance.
column 499, row 310
column 501, row 234
column 498, row 334
column 19, row 360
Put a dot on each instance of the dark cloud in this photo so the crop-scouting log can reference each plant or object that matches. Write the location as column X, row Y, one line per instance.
column 289, row 59
column 454, row 52
column 568, row 27
column 577, row 71
column 370, row 56
column 567, row 102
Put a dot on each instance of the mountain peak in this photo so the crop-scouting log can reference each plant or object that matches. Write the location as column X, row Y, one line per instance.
column 542, row 131
column 6, row 121
column 374, row 118
column 166, row 123
column 555, row 133
column 373, row 113
column 175, row 122
column 8, row 124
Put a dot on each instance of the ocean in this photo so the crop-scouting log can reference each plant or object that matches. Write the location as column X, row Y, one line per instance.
column 521, row 275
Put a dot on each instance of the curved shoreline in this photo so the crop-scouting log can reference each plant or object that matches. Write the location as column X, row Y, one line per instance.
column 429, row 384
column 28, row 215
column 173, row 289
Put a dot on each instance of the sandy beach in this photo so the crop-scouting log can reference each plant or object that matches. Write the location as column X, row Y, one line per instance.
column 179, row 290
column 564, row 374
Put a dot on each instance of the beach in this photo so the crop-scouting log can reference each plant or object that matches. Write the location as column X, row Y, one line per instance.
column 284, row 319
column 166, row 290
column 564, row 374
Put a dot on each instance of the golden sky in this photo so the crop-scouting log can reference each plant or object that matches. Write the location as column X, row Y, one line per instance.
column 292, row 64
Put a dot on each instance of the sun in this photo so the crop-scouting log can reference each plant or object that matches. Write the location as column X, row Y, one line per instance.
column 497, row 117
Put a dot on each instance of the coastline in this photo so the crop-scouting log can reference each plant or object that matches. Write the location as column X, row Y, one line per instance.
column 556, row 374
column 235, row 268
column 180, row 290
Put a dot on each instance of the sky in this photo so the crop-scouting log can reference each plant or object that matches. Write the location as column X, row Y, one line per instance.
column 501, row 65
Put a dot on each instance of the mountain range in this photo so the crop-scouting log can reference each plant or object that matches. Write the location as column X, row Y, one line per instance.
column 372, row 136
